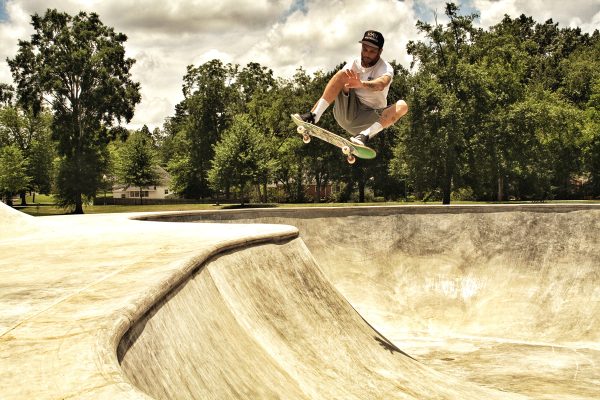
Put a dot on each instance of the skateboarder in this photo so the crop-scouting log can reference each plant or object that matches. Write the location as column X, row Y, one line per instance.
column 359, row 91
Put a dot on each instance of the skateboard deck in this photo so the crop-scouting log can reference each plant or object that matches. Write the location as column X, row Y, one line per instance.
column 349, row 149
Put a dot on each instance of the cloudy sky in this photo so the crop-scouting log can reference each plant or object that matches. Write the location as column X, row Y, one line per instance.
column 166, row 36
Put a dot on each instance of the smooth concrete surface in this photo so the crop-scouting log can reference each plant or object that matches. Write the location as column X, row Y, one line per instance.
column 502, row 297
column 71, row 286
column 264, row 323
column 380, row 302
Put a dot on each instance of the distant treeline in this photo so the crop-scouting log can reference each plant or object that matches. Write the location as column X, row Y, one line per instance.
column 509, row 112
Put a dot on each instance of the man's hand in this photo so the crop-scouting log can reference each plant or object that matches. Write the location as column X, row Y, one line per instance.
column 353, row 80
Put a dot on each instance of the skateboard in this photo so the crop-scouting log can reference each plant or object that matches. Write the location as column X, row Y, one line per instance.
column 350, row 150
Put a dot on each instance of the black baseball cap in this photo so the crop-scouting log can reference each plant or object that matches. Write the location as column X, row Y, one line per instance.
column 373, row 38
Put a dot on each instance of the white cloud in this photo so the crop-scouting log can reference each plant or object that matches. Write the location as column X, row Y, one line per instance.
column 213, row 54
column 192, row 16
column 167, row 36
column 568, row 14
column 15, row 28
column 152, row 108
column 326, row 35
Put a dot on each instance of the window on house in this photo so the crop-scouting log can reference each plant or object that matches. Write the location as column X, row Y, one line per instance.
column 136, row 193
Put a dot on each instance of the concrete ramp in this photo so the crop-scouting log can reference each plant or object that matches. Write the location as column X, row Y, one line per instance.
column 264, row 323
column 457, row 302
column 13, row 222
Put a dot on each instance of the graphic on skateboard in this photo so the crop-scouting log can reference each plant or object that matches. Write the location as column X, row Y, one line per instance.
column 349, row 149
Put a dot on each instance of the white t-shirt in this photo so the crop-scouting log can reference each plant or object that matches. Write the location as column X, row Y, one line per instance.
column 370, row 98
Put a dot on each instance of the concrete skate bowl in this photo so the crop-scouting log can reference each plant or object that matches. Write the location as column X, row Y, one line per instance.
column 384, row 303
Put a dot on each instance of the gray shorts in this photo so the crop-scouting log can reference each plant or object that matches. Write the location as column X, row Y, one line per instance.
column 352, row 115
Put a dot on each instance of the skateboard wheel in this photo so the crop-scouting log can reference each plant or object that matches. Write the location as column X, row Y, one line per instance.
column 346, row 150
column 306, row 138
column 351, row 159
column 301, row 129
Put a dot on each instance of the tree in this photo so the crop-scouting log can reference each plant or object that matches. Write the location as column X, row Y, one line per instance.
column 418, row 156
column 529, row 142
column 241, row 157
column 501, row 61
column 446, row 68
column 492, row 112
column 272, row 112
column 13, row 172
column 546, row 132
column 136, row 162
column 200, row 120
column 40, row 155
column 579, row 71
column 77, row 67
column 256, row 86
column 591, row 146
column 31, row 134
column 253, row 78
column 290, row 153
column 6, row 94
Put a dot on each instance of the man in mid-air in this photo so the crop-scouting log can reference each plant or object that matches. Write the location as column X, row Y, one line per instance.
column 360, row 91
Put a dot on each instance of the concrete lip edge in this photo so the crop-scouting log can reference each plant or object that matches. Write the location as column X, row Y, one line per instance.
column 324, row 211
column 110, row 335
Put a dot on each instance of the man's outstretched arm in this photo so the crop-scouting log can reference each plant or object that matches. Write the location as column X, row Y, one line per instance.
column 375, row 85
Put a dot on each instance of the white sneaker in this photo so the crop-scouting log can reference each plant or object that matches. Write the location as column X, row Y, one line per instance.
column 360, row 139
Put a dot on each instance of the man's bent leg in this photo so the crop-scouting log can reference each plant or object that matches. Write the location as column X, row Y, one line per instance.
column 332, row 89
column 388, row 117
column 349, row 114
column 334, row 86
column 393, row 113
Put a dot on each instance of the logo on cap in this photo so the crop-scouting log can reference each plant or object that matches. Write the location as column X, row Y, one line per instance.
column 373, row 38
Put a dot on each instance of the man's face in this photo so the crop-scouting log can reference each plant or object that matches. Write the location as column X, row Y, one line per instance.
column 369, row 55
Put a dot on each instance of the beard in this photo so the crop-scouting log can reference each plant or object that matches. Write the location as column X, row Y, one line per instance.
column 368, row 62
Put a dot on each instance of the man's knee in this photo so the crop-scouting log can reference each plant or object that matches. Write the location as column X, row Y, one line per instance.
column 401, row 108
column 340, row 76
column 393, row 113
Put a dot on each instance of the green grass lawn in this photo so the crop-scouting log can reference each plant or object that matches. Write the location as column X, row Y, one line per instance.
column 45, row 208
column 39, row 210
